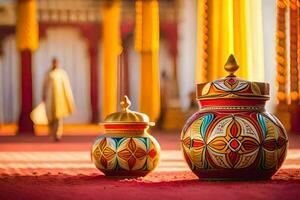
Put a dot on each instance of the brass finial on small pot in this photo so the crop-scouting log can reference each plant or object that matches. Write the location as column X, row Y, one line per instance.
column 125, row 103
column 231, row 65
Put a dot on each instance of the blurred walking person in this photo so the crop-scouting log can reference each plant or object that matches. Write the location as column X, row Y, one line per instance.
column 58, row 99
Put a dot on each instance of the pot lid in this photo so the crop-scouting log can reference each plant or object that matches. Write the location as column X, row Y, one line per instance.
column 127, row 116
column 232, row 87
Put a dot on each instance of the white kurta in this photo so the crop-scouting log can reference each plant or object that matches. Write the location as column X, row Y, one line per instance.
column 58, row 95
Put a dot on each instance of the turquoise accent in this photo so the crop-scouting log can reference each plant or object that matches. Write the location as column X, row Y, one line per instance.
column 262, row 158
column 206, row 121
column 119, row 141
column 262, row 124
column 145, row 141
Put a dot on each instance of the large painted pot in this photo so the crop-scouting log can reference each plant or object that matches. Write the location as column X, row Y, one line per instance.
column 126, row 149
column 232, row 136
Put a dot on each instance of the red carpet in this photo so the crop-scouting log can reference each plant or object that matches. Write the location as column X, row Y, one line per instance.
column 36, row 168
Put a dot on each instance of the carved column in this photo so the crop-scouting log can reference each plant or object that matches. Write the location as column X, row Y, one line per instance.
column 94, row 83
column 27, row 42
column 294, row 65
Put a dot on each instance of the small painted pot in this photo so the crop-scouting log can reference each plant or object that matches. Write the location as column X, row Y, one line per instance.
column 126, row 149
column 232, row 136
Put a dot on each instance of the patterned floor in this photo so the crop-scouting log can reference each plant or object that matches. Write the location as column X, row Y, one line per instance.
column 35, row 168
column 78, row 162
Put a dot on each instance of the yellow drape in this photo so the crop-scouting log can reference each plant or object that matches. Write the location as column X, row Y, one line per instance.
column 220, row 33
column 27, row 26
column 234, row 27
column 240, row 36
column 147, row 43
column 111, row 50
column 254, row 45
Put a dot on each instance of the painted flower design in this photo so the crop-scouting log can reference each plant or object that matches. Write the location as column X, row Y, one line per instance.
column 234, row 144
column 105, row 153
column 237, row 141
column 131, row 152
column 230, row 84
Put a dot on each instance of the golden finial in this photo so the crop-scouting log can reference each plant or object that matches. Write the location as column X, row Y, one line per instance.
column 231, row 66
column 125, row 103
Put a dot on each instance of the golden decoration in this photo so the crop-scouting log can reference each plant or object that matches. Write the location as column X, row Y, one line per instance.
column 202, row 41
column 281, row 59
column 125, row 103
column 232, row 87
column 231, row 65
column 127, row 116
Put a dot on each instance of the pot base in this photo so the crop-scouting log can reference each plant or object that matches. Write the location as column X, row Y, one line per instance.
column 125, row 174
column 234, row 175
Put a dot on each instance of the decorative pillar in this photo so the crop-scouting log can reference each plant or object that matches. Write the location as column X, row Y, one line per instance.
column 93, row 51
column 186, row 59
column 172, row 116
column 123, row 79
column 147, row 43
column 298, row 29
column 111, row 50
column 281, row 52
column 294, row 65
column 293, row 52
column 27, row 42
column 281, row 67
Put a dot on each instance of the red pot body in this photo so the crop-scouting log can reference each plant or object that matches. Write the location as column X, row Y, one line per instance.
column 233, row 139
